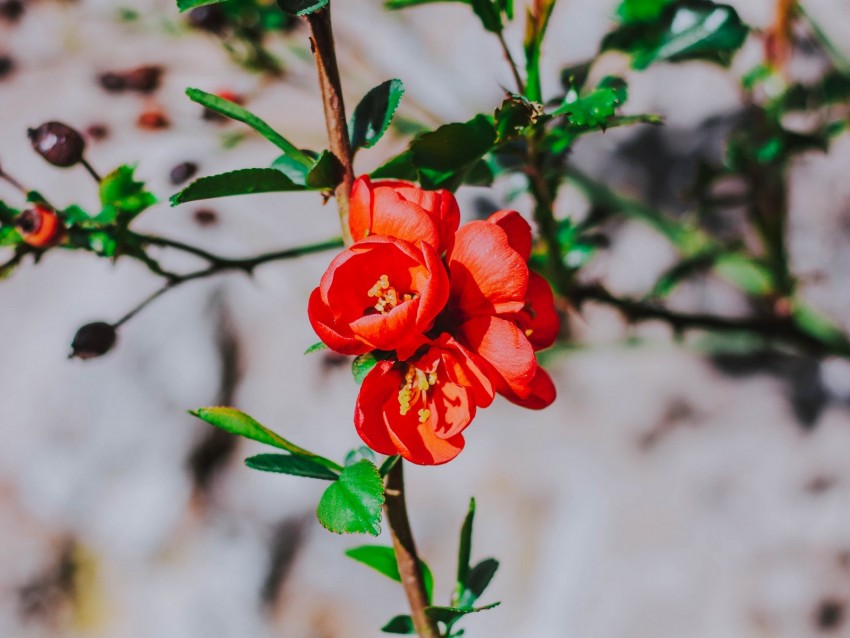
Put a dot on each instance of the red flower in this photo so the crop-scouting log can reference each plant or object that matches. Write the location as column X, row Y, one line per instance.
column 379, row 294
column 404, row 211
column 497, row 305
column 419, row 408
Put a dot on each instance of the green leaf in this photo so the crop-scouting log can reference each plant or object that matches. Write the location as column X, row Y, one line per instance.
column 122, row 196
column 241, row 114
column 820, row 327
column 359, row 454
column 236, row 422
column 597, row 107
column 631, row 11
column 372, row 116
column 352, row 504
column 489, row 15
column 240, row 182
column 325, row 174
column 465, row 545
column 442, row 157
column 476, row 582
column 403, row 4
column 362, row 365
column 399, row 625
column 399, row 167
column 302, row 7
column 185, row 5
column 290, row 464
column 383, row 560
column 293, row 169
column 685, row 30
column 450, row 615
column 752, row 276
column 316, row 347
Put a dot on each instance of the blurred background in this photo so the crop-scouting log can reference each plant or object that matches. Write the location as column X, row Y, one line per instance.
column 667, row 493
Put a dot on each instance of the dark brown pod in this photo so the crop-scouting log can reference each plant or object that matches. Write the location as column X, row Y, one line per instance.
column 58, row 143
column 93, row 340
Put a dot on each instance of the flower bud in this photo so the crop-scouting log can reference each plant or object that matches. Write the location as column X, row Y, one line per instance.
column 93, row 340
column 40, row 227
column 58, row 143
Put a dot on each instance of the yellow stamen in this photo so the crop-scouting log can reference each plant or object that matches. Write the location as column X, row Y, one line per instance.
column 415, row 390
column 388, row 297
column 424, row 415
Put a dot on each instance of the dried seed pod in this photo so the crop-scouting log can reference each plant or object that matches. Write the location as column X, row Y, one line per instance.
column 93, row 340
column 58, row 143
column 182, row 172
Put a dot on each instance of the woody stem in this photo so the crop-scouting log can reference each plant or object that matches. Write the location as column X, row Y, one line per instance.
column 322, row 42
column 405, row 551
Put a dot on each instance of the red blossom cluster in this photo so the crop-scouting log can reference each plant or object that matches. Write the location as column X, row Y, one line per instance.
column 453, row 314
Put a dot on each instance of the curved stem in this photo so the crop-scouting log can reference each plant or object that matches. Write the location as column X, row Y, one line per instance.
column 405, row 551
column 520, row 85
column 322, row 42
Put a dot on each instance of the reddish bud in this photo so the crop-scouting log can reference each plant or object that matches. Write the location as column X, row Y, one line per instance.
column 153, row 120
column 40, row 227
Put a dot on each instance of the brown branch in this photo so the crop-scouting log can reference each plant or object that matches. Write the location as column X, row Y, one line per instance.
column 322, row 42
column 405, row 551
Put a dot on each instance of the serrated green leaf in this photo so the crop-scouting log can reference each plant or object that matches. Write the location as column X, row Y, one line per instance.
column 399, row 625
column 122, row 196
column 241, row 114
column 597, row 107
column 684, row 30
column 236, row 422
column 399, row 167
column 325, row 174
column 372, row 116
column 240, row 182
column 442, row 157
column 362, row 365
column 352, row 504
column 383, row 560
column 316, row 347
column 294, row 170
column 290, row 464
column 302, row 7
column 185, row 5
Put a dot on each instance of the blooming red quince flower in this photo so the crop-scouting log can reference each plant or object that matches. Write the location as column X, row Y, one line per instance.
column 418, row 408
column 499, row 309
column 404, row 211
column 379, row 294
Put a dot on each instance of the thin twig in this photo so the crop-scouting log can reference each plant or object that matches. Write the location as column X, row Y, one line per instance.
column 405, row 551
column 334, row 107
column 91, row 170
column 520, row 85
column 15, row 183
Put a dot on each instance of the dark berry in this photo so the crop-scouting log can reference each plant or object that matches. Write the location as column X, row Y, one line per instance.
column 205, row 217
column 11, row 10
column 182, row 172
column 97, row 132
column 58, row 143
column 93, row 340
column 209, row 18
column 830, row 615
column 144, row 79
column 112, row 82
column 7, row 65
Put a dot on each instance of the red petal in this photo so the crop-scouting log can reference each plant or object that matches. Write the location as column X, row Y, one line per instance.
column 382, row 381
column 487, row 275
column 454, row 407
column 517, row 229
column 501, row 344
column 416, row 441
column 542, row 394
column 360, row 208
column 466, row 369
column 338, row 338
column 394, row 216
column 539, row 320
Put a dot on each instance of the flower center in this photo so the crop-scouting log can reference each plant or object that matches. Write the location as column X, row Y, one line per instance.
column 387, row 296
column 415, row 390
